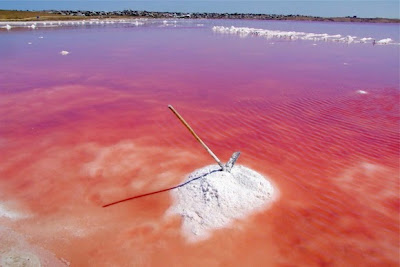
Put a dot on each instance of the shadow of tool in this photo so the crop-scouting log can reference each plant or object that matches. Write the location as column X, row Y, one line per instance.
column 163, row 190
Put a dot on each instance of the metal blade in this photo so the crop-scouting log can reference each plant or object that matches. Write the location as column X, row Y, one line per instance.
column 232, row 161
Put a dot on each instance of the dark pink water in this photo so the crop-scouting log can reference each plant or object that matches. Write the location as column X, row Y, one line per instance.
column 92, row 127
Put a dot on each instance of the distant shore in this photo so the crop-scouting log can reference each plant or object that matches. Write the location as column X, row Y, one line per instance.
column 17, row 15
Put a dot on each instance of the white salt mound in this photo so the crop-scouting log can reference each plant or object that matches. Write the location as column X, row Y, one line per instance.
column 217, row 198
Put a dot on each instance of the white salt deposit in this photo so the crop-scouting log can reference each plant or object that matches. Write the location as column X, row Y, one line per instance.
column 384, row 41
column 64, row 53
column 362, row 92
column 16, row 251
column 39, row 24
column 366, row 39
column 10, row 213
column 293, row 35
column 20, row 258
column 214, row 199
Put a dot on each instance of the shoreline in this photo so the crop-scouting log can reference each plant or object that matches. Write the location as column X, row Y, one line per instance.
column 17, row 15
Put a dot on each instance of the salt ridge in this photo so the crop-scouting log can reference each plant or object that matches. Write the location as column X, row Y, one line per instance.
column 45, row 24
column 214, row 199
column 293, row 35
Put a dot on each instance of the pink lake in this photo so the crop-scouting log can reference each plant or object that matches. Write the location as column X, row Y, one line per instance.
column 319, row 118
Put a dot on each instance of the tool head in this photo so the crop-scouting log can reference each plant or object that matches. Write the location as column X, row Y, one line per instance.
column 232, row 161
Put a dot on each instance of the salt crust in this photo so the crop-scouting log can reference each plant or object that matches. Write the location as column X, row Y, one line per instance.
column 18, row 258
column 10, row 213
column 44, row 24
column 214, row 199
column 16, row 251
column 293, row 35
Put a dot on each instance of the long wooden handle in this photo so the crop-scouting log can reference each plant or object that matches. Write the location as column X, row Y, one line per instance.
column 196, row 136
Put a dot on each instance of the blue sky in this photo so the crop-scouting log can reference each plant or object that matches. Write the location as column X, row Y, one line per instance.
column 324, row 8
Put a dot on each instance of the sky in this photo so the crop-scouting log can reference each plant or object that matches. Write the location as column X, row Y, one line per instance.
column 323, row 8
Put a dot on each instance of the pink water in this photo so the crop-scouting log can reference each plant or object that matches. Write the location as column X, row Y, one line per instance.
column 92, row 127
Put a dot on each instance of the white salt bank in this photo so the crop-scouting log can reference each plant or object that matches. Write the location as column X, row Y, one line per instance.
column 213, row 199
column 64, row 53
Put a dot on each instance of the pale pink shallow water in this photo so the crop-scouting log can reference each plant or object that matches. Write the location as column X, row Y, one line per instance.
column 85, row 129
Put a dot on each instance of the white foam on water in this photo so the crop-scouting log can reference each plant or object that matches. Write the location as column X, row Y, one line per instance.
column 214, row 199
column 293, row 35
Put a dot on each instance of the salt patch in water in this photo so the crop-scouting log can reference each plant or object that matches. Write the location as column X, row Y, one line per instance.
column 385, row 41
column 45, row 24
column 214, row 199
column 64, row 53
column 293, row 35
